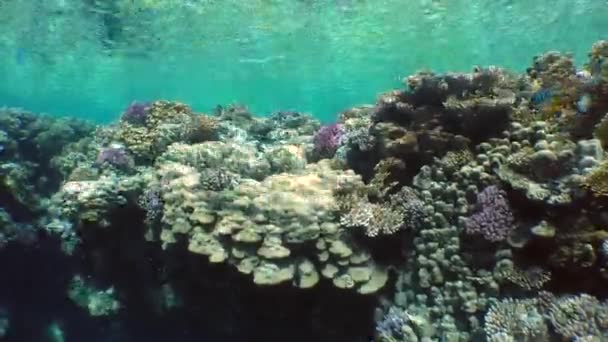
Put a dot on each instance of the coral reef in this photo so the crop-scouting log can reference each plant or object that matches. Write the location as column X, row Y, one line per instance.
column 465, row 207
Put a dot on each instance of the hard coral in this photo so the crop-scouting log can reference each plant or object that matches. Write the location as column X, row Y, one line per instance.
column 136, row 113
column 515, row 320
column 494, row 219
column 576, row 317
column 165, row 123
column 552, row 68
column 116, row 156
column 403, row 210
column 401, row 325
column 376, row 219
column 263, row 227
column 597, row 180
column 152, row 202
column 328, row 139
column 207, row 129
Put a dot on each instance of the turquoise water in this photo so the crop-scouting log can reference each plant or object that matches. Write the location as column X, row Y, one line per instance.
column 92, row 58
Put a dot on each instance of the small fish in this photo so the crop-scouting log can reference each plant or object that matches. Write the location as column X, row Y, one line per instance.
column 218, row 110
column 20, row 56
column 541, row 96
column 584, row 103
column 596, row 66
column 536, row 85
column 591, row 76
column 260, row 60
column 584, row 75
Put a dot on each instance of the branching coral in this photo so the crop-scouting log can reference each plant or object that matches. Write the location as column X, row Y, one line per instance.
column 328, row 139
column 575, row 317
column 597, row 180
column 151, row 201
column 401, row 325
column 532, row 278
column 402, row 210
column 384, row 173
column 515, row 320
column 454, row 160
column 376, row 219
column 408, row 201
column 493, row 218
column 218, row 179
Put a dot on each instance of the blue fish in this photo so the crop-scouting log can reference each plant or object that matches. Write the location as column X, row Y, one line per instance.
column 584, row 104
column 541, row 96
column 20, row 56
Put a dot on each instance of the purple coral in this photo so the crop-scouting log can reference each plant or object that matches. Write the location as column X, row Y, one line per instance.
column 116, row 156
column 136, row 113
column 494, row 218
column 328, row 139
